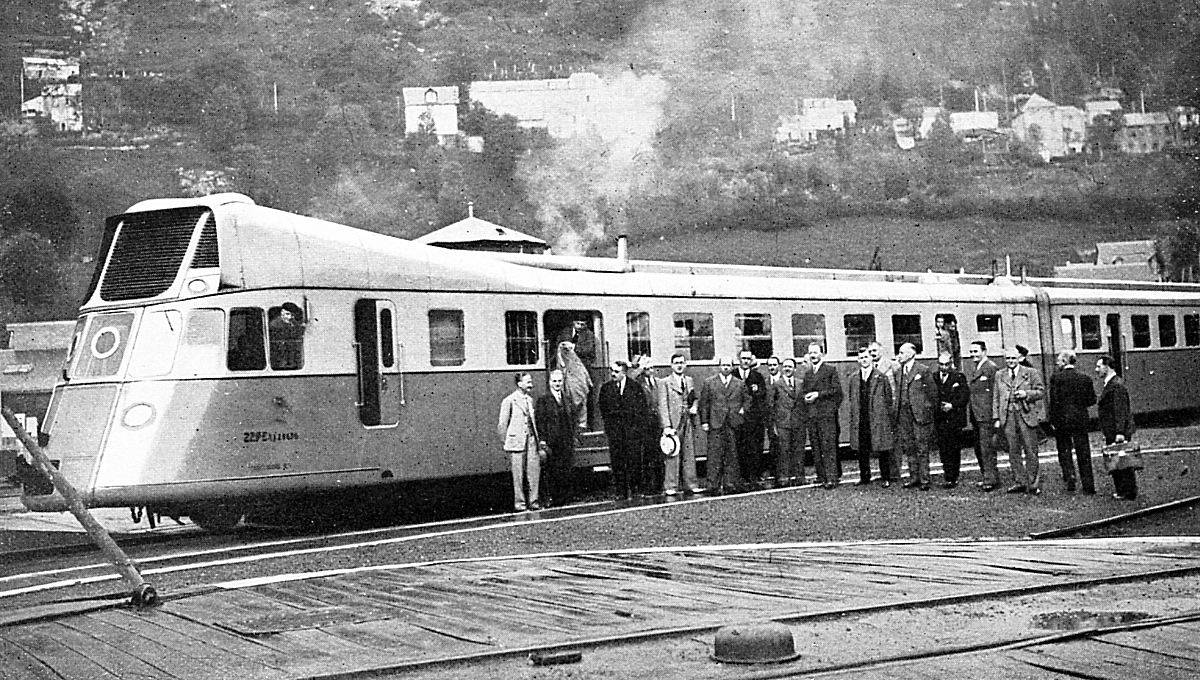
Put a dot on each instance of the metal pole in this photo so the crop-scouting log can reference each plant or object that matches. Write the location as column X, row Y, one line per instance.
column 143, row 594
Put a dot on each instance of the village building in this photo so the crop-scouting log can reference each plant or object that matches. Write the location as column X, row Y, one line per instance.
column 565, row 108
column 473, row 233
column 1101, row 107
column 815, row 116
column 1118, row 261
column 59, row 101
column 1051, row 130
column 434, row 109
column 1145, row 132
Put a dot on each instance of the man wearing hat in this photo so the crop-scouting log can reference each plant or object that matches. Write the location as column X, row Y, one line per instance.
column 678, row 407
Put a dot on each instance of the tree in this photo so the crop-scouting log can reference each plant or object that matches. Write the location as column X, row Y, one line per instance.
column 32, row 195
column 28, row 271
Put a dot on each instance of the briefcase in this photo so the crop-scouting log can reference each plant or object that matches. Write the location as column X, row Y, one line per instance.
column 1123, row 456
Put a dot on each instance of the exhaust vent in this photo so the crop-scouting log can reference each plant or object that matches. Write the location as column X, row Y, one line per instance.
column 149, row 250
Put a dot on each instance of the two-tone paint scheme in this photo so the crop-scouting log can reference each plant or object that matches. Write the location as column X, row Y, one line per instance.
column 152, row 411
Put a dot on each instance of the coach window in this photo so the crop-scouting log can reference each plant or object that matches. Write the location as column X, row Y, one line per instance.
column 1089, row 331
column 754, row 333
column 247, row 350
column 1141, row 329
column 694, row 335
column 447, row 338
column 521, row 338
column 807, row 329
column 987, row 323
column 1166, row 331
column 285, row 330
column 1066, row 326
column 200, row 349
column 860, row 331
column 637, row 334
column 1191, row 330
column 157, row 341
column 906, row 328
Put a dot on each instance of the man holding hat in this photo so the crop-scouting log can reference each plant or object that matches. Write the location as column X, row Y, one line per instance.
column 677, row 410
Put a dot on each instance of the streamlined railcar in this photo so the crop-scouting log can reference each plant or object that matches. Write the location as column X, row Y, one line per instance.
column 230, row 356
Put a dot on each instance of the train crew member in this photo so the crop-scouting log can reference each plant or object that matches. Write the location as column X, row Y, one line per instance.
column 577, row 381
column 946, row 332
column 822, row 390
column 1116, row 423
column 286, row 334
column 753, row 428
column 556, row 422
column 888, row 367
column 584, row 340
column 915, row 405
column 623, row 408
column 770, row 461
column 1017, row 404
column 871, row 431
column 678, row 408
column 1071, row 393
column 723, row 404
column 518, row 428
column 1023, row 351
column 981, row 380
column 789, row 425
column 950, row 417
column 651, row 469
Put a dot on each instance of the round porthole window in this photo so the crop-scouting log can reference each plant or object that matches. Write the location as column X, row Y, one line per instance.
column 106, row 342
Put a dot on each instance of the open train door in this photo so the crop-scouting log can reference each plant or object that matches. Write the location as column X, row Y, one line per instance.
column 1116, row 349
column 380, row 391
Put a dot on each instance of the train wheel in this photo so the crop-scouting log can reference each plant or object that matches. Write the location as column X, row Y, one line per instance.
column 216, row 520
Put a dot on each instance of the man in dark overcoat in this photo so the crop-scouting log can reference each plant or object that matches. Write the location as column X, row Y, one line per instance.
column 950, row 417
column 625, row 413
column 1071, row 393
column 871, row 413
column 556, row 428
column 1116, row 423
column 750, row 433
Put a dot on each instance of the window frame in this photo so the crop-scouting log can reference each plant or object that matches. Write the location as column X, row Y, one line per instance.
column 517, row 347
column 454, row 341
column 801, row 341
column 637, row 334
column 747, row 342
column 691, row 339
column 1140, row 336
column 851, row 348
column 900, row 338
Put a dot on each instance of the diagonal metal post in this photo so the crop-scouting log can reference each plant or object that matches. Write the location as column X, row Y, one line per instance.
column 142, row 594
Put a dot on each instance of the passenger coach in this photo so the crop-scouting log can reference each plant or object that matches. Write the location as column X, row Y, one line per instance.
column 230, row 355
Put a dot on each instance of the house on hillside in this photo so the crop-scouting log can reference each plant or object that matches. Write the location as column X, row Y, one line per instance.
column 1117, row 260
column 473, row 233
column 432, row 108
column 1051, row 130
column 1145, row 132
column 57, row 79
column 1101, row 107
column 564, row 107
column 815, row 116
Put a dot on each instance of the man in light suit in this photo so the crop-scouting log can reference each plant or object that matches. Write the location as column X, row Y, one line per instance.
column 678, row 406
column 624, row 410
column 723, row 404
column 822, row 390
column 871, row 413
column 518, row 429
column 981, row 379
column 915, row 403
column 1017, row 404
column 789, row 422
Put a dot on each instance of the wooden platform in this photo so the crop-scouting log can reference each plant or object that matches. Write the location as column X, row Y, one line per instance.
column 389, row 617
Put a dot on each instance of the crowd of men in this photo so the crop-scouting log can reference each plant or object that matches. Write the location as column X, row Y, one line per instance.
column 756, row 426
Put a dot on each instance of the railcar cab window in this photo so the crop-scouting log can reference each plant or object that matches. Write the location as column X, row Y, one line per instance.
column 753, row 333
column 694, row 335
column 987, row 323
column 906, row 328
column 103, row 346
column 447, row 338
column 285, row 327
column 637, row 334
column 521, row 338
column 1089, row 331
column 1166, row 331
column 1141, row 329
column 807, row 329
column 860, row 331
column 1191, row 330
column 157, row 341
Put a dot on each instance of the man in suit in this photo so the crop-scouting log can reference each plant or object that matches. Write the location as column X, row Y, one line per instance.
column 888, row 367
column 789, row 420
column 651, row 470
column 678, row 407
column 750, row 432
column 915, row 406
column 583, row 339
column 1071, row 393
column 871, row 412
column 723, row 404
column 518, row 429
column 1116, row 423
column 981, row 379
column 822, row 390
column 556, row 428
column 623, row 408
column 950, row 417
column 1017, row 405
column 769, row 464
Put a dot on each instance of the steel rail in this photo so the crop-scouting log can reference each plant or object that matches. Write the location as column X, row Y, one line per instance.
column 1115, row 519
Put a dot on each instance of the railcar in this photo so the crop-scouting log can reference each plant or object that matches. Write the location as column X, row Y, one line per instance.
column 230, row 356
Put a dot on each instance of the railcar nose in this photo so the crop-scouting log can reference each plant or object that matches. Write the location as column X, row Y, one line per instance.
column 77, row 431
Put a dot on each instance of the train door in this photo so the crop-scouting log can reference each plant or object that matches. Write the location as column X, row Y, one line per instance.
column 1116, row 349
column 379, row 382
column 584, row 328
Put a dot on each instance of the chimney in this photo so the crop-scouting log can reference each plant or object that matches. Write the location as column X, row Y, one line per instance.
column 623, row 249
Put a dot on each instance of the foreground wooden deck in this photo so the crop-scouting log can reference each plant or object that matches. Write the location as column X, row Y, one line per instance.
column 420, row 617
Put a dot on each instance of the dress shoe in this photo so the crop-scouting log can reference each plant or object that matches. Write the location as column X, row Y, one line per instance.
column 535, row 506
column 518, row 508
column 1034, row 492
column 831, row 486
column 924, row 487
column 949, row 485
column 1119, row 497
column 1016, row 488
column 910, row 485
column 670, row 492
column 863, row 482
column 696, row 491
column 986, row 488
column 886, row 484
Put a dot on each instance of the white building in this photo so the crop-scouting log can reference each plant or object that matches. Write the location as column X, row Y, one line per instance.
column 1054, row 131
column 433, row 107
column 60, row 104
column 564, row 107
column 814, row 116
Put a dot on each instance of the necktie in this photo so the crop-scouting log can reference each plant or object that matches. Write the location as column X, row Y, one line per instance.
column 789, row 383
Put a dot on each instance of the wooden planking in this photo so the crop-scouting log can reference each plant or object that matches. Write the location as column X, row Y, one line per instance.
column 44, row 641
column 18, row 664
